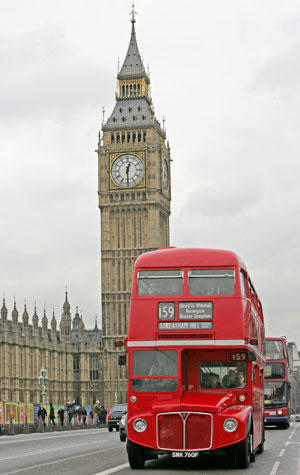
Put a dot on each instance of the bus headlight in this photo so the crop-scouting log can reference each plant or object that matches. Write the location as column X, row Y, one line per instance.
column 140, row 425
column 230, row 425
column 279, row 413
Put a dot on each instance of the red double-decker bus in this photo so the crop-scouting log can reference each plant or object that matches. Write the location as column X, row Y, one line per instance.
column 195, row 357
column 277, row 386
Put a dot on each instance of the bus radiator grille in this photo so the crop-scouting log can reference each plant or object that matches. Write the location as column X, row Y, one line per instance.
column 184, row 431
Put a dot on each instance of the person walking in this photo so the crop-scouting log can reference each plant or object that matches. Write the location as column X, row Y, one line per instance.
column 103, row 413
column 42, row 413
column 61, row 415
column 70, row 408
column 97, row 412
column 52, row 415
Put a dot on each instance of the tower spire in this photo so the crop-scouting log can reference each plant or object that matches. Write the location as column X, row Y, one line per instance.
column 132, row 13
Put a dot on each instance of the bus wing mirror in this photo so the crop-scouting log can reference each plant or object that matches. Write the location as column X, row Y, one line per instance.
column 122, row 359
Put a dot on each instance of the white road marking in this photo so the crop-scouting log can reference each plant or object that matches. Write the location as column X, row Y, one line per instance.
column 61, row 460
column 275, row 468
column 114, row 469
column 287, row 443
column 281, row 453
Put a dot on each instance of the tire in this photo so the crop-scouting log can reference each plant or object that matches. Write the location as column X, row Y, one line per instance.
column 110, row 428
column 244, row 453
column 136, row 456
column 261, row 447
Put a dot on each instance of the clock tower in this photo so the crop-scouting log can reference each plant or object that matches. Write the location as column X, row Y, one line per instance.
column 134, row 200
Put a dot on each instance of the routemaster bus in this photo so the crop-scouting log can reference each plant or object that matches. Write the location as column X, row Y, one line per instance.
column 195, row 352
column 277, row 386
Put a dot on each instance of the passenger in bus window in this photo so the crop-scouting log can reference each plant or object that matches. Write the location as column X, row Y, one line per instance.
column 212, row 287
column 213, row 382
column 240, row 380
column 163, row 366
column 153, row 288
column 175, row 289
column 229, row 380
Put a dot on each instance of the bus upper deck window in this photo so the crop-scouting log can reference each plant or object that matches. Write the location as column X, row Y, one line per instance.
column 160, row 282
column 211, row 281
column 243, row 284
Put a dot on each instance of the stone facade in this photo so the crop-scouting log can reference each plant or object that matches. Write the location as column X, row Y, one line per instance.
column 134, row 200
column 71, row 356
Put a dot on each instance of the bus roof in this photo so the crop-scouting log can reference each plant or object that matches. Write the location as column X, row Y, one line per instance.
column 189, row 257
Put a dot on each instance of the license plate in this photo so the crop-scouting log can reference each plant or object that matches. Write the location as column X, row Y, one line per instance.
column 118, row 423
column 185, row 454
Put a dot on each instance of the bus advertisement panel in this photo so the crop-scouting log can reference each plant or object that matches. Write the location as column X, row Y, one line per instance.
column 195, row 352
column 277, row 386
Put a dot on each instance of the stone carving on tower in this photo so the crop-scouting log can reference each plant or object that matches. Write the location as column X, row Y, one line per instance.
column 134, row 200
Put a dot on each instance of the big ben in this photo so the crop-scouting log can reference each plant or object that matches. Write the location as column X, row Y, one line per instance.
column 134, row 200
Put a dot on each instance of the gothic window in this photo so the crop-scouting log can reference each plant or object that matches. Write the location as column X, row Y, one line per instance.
column 134, row 118
column 139, row 89
column 128, row 137
column 118, row 138
column 134, row 89
column 131, row 89
column 144, row 196
column 94, row 368
column 139, row 136
column 114, row 119
column 120, row 110
column 144, row 136
column 127, row 90
column 76, row 368
column 144, row 117
column 133, row 137
column 123, row 138
column 123, row 119
column 112, row 138
column 129, row 109
column 123, row 90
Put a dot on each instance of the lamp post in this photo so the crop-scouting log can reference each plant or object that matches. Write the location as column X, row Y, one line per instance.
column 43, row 382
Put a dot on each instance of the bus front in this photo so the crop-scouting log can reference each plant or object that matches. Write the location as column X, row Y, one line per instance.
column 277, row 386
column 194, row 358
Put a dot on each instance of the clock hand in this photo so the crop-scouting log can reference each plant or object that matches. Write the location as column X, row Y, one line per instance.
column 127, row 173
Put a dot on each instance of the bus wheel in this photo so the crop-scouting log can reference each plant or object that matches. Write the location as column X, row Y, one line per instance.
column 136, row 456
column 244, row 453
column 261, row 447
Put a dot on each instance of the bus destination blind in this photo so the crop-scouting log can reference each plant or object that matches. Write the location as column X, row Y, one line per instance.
column 184, row 325
column 195, row 310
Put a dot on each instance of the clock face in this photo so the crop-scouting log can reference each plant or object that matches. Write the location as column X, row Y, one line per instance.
column 127, row 170
column 165, row 175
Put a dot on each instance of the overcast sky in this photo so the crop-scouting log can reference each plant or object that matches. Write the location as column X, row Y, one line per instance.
column 226, row 76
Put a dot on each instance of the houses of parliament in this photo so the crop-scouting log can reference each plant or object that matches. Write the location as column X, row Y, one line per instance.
column 134, row 194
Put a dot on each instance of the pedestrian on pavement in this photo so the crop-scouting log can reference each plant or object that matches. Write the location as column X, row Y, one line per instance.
column 97, row 412
column 92, row 415
column 103, row 413
column 61, row 415
column 81, row 411
column 70, row 408
column 42, row 413
column 52, row 415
